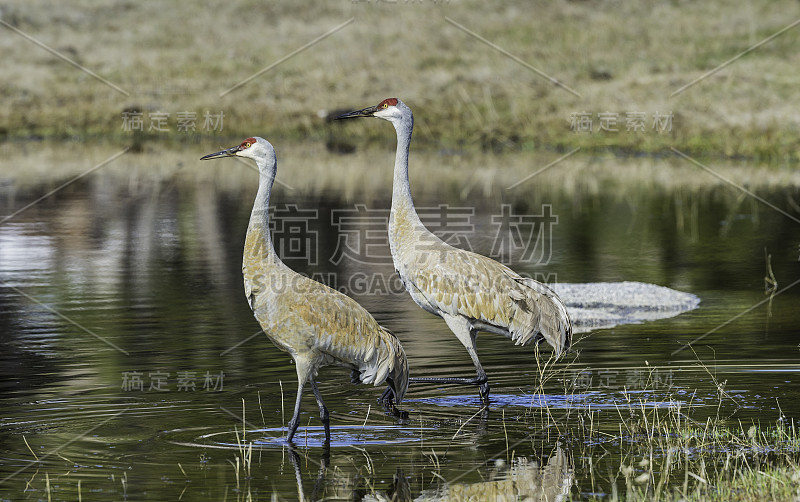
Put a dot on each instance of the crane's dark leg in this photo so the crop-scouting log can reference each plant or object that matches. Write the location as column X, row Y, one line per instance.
column 467, row 335
column 323, row 412
column 387, row 397
column 482, row 378
column 295, row 421
column 303, row 375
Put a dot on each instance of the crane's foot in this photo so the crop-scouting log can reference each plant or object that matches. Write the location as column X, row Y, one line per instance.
column 393, row 411
column 396, row 412
column 387, row 401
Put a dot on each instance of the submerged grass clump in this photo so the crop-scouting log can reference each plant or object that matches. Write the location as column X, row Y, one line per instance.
column 659, row 444
column 673, row 458
column 669, row 453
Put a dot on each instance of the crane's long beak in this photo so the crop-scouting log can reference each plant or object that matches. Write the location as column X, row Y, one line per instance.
column 230, row 152
column 364, row 112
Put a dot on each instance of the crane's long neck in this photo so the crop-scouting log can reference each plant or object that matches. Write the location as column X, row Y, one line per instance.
column 258, row 244
column 402, row 203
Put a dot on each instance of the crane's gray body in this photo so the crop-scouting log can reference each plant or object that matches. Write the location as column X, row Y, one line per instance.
column 469, row 291
column 315, row 324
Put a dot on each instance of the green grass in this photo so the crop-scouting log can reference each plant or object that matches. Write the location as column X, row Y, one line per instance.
column 710, row 461
column 669, row 454
column 619, row 57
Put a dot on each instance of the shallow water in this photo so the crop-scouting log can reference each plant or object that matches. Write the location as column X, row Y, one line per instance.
column 132, row 363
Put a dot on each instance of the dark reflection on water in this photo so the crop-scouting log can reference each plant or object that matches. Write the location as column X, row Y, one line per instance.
column 129, row 351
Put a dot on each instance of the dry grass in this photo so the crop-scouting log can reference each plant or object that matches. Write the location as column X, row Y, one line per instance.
column 366, row 176
column 620, row 57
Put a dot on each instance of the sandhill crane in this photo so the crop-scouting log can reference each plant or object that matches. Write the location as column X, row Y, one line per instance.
column 470, row 292
column 317, row 325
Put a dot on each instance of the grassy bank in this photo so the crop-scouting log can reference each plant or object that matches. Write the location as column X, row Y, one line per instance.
column 625, row 60
column 310, row 169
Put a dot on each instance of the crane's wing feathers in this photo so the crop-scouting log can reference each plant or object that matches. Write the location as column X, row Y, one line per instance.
column 554, row 323
column 340, row 330
column 459, row 282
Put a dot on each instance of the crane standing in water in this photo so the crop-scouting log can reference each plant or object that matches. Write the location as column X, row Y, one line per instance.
column 317, row 325
column 469, row 291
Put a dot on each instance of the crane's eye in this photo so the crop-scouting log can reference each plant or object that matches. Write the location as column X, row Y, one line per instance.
column 247, row 145
column 386, row 105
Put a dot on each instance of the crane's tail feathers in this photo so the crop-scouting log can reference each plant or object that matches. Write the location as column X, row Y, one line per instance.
column 386, row 362
column 540, row 313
